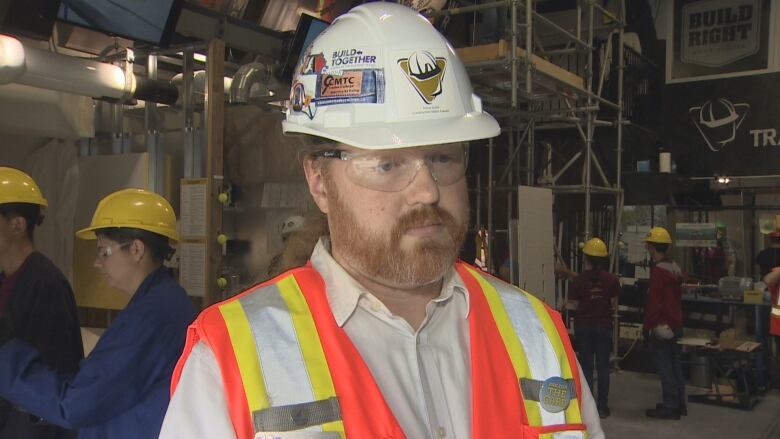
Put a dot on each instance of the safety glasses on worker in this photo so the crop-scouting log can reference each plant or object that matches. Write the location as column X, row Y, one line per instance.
column 392, row 170
column 105, row 251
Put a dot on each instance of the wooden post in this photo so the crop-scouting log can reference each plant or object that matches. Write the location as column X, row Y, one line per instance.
column 215, row 123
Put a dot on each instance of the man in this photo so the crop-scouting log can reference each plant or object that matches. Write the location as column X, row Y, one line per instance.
column 769, row 257
column 595, row 290
column 36, row 300
column 721, row 260
column 663, row 324
column 769, row 262
column 120, row 391
column 383, row 334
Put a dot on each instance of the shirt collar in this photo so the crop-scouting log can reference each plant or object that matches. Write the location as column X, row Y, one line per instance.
column 344, row 292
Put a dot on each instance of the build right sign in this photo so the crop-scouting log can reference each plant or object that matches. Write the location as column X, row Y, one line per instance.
column 719, row 37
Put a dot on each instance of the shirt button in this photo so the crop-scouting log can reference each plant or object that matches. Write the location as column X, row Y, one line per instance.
column 375, row 306
column 441, row 432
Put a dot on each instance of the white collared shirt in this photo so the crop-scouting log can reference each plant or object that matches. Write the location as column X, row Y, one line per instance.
column 426, row 381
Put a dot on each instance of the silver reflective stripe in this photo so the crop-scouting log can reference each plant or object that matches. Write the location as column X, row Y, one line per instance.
column 297, row 416
column 541, row 358
column 776, row 311
column 284, row 371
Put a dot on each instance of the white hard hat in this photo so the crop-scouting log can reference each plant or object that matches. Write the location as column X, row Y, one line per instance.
column 291, row 224
column 381, row 76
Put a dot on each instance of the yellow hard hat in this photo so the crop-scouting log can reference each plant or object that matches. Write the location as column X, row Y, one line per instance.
column 133, row 208
column 18, row 187
column 658, row 235
column 595, row 247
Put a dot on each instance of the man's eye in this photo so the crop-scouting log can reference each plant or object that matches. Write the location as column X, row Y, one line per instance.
column 385, row 166
column 442, row 158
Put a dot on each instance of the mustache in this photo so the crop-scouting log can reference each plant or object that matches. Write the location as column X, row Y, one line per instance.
column 425, row 216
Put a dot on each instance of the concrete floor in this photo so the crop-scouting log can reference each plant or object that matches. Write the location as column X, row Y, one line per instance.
column 631, row 393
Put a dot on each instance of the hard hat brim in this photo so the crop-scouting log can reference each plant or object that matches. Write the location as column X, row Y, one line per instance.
column 471, row 126
column 89, row 232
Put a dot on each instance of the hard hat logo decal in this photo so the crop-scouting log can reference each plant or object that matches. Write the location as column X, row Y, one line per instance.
column 300, row 101
column 347, row 84
column 313, row 64
column 425, row 72
column 718, row 121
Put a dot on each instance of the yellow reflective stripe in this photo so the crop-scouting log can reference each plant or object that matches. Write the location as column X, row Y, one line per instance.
column 246, row 355
column 311, row 348
column 573, row 415
column 512, row 343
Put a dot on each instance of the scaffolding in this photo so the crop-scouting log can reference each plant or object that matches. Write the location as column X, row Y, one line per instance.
column 541, row 77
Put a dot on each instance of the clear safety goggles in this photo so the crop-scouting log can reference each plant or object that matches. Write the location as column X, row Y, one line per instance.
column 392, row 170
column 104, row 251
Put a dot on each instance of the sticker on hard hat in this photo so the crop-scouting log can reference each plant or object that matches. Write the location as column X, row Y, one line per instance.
column 351, row 87
column 555, row 395
column 313, row 64
column 425, row 72
column 352, row 58
column 300, row 101
column 424, row 84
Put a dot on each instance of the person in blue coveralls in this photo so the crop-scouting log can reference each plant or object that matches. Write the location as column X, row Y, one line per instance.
column 121, row 390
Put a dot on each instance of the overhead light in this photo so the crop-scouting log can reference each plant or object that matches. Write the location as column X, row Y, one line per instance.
column 723, row 180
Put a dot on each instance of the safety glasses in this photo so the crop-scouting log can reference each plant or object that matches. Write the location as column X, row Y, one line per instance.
column 394, row 170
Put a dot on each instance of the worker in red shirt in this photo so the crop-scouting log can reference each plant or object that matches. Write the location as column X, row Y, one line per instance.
column 663, row 324
column 595, row 290
column 772, row 279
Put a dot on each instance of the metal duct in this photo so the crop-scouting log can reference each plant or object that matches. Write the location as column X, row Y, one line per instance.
column 39, row 68
column 53, row 71
column 253, row 81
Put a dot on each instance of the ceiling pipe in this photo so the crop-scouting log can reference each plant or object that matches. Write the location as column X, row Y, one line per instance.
column 23, row 64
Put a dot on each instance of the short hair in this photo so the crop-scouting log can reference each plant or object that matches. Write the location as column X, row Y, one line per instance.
column 311, row 146
column 30, row 212
column 159, row 245
column 660, row 247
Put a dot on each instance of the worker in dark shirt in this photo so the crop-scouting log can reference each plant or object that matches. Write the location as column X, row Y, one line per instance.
column 121, row 390
column 595, row 290
column 769, row 258
column 36, row 299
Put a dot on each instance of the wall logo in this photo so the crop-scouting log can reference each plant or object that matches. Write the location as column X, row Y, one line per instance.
column 718, row 120
column 425, row 72
column 718, row 32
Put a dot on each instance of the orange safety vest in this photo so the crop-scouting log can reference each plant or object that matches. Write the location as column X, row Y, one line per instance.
column 517, row 390
column 774, row 314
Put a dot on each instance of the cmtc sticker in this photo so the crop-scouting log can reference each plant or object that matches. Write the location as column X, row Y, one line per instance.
column 555, row 394
column 349, row 83
column 364, row 86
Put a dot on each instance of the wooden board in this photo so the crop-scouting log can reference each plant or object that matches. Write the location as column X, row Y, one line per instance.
column 499, row 50
column 535, row 244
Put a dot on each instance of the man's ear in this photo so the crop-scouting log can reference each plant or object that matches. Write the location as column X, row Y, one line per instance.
column 137, row 249
column 18, row 225
column 316, row 182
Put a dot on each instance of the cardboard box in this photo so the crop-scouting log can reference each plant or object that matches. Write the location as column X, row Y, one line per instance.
column 753, row 296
